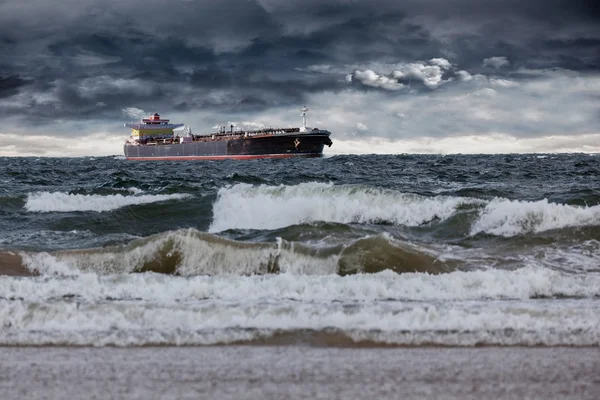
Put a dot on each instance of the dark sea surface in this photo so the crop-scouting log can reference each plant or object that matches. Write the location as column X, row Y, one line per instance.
column 343, row 251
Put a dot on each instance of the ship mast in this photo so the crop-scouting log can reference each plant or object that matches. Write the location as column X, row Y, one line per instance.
column 304, row 110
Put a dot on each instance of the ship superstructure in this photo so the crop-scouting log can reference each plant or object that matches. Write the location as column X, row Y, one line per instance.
column 151, row 129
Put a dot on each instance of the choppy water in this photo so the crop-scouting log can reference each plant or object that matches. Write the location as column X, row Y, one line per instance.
column 344, row 250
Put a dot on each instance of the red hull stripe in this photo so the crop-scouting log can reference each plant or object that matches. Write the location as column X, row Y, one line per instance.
column 232, row 157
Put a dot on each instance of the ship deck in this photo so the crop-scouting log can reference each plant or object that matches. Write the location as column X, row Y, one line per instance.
column 213, row 137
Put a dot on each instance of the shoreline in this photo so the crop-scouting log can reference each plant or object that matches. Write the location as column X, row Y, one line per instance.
column 259, row 372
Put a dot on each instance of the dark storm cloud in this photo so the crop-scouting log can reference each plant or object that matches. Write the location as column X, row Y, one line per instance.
column 92, row 58
column 10, row 85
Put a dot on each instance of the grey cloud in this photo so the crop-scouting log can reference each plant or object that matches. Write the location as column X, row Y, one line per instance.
column 10, row 85
column 496, row 62
column 371, row 78
column 89, row 59
column 417, row 75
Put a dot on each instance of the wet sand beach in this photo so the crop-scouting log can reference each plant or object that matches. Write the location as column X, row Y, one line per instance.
column 297, row 372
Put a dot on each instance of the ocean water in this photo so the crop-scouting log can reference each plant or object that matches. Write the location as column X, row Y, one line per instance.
column 342, row 251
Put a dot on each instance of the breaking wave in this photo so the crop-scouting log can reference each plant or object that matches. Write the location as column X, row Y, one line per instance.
column 378, row 309
column 190, row 252
column 245, row 206
column 510, row 218
column 66, row 202
column 520, row 284
column 137, row 322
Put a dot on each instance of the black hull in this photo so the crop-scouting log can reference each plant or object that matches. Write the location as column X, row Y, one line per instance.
column 272, row 146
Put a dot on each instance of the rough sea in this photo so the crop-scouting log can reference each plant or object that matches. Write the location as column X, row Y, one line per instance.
column 375, row 250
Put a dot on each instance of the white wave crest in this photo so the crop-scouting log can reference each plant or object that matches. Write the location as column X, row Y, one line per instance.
column 513, row 217
column 134, row 190
column 459, row 308
column 522, row 284
column 197, row 253
column 134, row 323
column 65, row 202
column 245, row 206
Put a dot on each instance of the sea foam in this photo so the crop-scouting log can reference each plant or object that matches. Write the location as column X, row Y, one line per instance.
column 245, row 206
column 493, row 284
column 65, row 202
column 461, row 308
column 68, row 322
column 504, row 217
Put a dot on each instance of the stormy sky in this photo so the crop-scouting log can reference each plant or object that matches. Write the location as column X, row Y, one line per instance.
column 425, row 76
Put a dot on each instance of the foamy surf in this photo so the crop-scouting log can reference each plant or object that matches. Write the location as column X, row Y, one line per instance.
column 521, row 284
column 66, row 202
column 504, row 217
column 245, row 206
column 127, row 323
column 458, row 309
column 189, row 252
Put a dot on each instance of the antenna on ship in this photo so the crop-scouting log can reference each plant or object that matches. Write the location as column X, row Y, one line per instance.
column 304, row 110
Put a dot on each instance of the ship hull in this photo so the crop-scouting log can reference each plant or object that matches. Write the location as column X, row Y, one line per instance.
column 269, row 146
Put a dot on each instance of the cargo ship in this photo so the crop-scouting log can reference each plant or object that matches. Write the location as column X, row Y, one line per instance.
column 154, row 138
